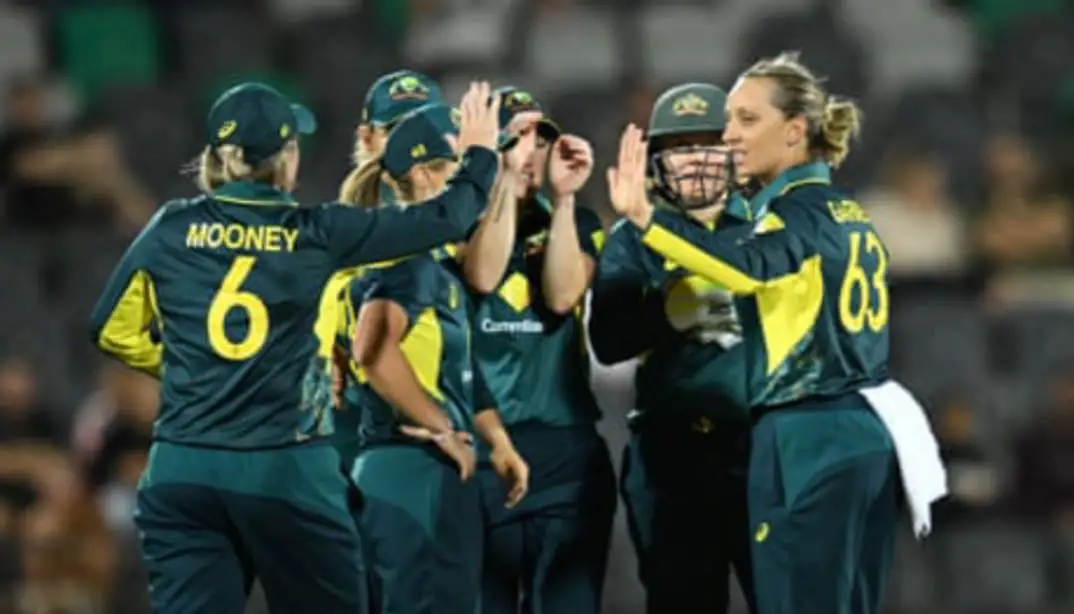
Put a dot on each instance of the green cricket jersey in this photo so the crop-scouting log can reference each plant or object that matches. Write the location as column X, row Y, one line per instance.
column 232, row 281
column 436, row 345
column 815, row 274
column 685, row 328
column 534, row 361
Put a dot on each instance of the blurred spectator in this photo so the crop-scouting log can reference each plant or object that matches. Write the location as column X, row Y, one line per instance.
column 68, row 561
column 112, row 434
column 922, row 228
column 1026, row 223
column 973, row 478
column 22, row 418
column 1045, row 457
column 53, row 177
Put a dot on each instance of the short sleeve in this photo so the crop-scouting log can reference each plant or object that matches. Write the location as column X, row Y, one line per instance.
column 411, row 284
column 590, row 231
column 619, row 260
column 483, row 398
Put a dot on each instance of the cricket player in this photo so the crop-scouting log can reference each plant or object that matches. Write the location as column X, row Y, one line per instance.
column 387, row 100
column 823, row 474
column 692, row 416
column 528, row 264
column 420, row 401
column 240, row 481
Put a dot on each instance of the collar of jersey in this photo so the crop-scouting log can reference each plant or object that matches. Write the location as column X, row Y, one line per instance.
column 252, row 193
column 796, row 176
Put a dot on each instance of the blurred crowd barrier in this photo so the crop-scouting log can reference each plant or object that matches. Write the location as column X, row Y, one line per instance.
column 966, row 167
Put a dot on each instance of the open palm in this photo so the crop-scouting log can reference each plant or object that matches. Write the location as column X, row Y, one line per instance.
column 626, row 180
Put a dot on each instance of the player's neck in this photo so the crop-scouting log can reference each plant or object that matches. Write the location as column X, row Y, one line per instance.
column 709, row 214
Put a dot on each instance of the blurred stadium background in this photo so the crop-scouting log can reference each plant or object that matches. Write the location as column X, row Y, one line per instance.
column 966, row 165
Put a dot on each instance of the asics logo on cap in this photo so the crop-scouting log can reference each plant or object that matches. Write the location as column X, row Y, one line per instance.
column 227, row 129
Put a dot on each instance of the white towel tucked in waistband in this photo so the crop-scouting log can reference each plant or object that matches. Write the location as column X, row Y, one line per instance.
column 923, row 475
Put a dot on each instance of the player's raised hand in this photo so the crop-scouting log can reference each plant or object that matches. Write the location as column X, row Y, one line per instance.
column 511, row 468
column 626, row 180
column 516, row 157
column 570, row 165
column 479, row 122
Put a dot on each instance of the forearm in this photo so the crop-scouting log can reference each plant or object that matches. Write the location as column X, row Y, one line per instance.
column 567, row 269
column 489, row 249
column 25, row 461
column 394, row 380
column 131, row 201
column 490, row 427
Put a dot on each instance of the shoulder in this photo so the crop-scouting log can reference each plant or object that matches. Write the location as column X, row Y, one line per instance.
column 807, row 205
column 416, row 267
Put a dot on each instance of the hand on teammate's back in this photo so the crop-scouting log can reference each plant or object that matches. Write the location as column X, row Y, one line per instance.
column 479, row 123
column 458, row 445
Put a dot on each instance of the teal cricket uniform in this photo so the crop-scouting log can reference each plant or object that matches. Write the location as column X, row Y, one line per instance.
column 823, row 483
column 553, row 546
column 422, row 522
column 691, row 420
column 239, row 481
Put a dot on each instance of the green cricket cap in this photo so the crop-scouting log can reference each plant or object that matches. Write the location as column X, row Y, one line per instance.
column 395, row 94
column 419, row 137
column 514, row 101
column 688, row 108
column 258, row 119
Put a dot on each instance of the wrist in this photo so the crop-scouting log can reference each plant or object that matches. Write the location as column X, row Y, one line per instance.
column 442, row 436
column 642, row 218
column 560, row 201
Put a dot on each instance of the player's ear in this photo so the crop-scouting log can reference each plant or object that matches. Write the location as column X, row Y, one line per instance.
column 795, row 130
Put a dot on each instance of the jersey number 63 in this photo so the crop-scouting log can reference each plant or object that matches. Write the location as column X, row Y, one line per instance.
column 863, row 297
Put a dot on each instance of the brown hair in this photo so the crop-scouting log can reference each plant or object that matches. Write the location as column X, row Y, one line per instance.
column 226, row 164
column 362, row 186
column 831, row 121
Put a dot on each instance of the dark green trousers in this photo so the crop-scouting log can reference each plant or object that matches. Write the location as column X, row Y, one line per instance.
column 684, row 486
column 824, row 500
column 211, row 520
column 423, row 530
column 549, row 555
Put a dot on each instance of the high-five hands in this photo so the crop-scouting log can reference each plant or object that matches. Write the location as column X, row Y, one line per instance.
column 626, row 180
column 479, row 117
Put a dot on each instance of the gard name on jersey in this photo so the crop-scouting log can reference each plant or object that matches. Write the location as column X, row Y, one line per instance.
column 498, row 327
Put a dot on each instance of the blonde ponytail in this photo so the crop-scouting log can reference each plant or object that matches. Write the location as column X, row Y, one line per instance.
column 227, row 164
column 832, row 121
column 362, row 184
column 841, row 123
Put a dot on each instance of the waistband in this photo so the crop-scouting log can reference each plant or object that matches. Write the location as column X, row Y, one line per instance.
column 693, row 423
column 849, row 400
column 318, row 440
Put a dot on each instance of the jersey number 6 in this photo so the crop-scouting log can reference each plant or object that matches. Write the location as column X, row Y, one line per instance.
column 858, row 282
column 230, row 296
